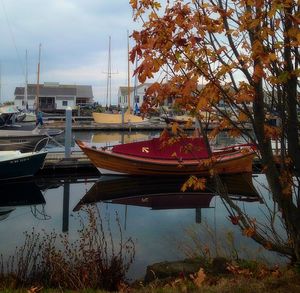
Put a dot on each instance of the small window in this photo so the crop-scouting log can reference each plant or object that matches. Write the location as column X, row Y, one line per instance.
column 65, row 103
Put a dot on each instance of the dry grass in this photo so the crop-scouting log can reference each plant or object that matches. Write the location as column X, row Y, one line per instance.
column 285, row 281
column 275, row 282
column 52, row 261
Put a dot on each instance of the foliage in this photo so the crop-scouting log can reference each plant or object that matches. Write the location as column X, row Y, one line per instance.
column 238, row 61
column 53, row 261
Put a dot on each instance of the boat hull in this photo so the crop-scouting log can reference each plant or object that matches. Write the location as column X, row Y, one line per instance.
column 108, row 162
column 25, row 140
column 24, row 165
column 110, row 118
column 23, row 144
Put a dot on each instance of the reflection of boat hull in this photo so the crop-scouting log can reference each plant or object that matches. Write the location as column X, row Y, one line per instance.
column 164, row 191
column 107, row 118
column 169, row 201
column 14, row 164
column 108, row 162
column 104, row 137
column 21, row 193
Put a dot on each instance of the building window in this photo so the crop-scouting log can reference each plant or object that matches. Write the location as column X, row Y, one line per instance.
column 65, row 103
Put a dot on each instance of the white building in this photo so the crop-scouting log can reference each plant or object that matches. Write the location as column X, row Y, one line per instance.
column 54, row 96
column 136, row 95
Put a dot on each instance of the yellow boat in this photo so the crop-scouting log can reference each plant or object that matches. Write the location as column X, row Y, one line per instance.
column 111, row 118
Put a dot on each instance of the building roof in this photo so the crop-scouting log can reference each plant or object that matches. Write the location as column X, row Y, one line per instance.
column 142, row 85
column 123, row 90
column 84, row 91
column 55, row 89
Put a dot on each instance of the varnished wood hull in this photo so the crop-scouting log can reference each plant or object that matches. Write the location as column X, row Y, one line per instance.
column 108, row 162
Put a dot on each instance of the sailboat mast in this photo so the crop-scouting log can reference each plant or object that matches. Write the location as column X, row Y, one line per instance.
column 0, row 82
column 38, row 80
column 129, row 108
column 108, row 85
column 26, row 83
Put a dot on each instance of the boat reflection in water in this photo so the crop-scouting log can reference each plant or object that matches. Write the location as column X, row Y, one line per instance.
column 119, row 137
column 20, row 193
column 160, row 193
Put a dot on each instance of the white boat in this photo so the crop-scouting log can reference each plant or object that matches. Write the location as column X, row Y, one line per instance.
column 26, row 140
column 14, row 164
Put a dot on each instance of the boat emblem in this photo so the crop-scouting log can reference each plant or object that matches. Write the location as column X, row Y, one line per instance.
column 145, row 150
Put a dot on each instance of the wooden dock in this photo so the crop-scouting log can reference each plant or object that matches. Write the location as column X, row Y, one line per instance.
column 78, row 163
column 88, row 125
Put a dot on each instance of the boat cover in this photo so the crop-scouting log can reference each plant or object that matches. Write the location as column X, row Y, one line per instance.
column 156, row 148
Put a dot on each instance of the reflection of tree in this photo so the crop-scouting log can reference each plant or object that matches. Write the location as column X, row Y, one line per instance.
column 246, row 55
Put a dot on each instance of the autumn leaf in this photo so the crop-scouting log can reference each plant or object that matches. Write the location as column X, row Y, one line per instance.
column 198, row 278
column 242, row 117
column 268, row 245
column 133, row 4
column 194, row 183
column 258, row 73
column 34, row 289
column 234, row 219
column 249, row 232
column 175, row 127
column 188, row 123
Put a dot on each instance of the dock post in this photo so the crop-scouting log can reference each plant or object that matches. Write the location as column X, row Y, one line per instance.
column 68, row 132
column 123, row 118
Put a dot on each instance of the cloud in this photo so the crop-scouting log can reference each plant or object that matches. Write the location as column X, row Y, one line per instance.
column 74, row 37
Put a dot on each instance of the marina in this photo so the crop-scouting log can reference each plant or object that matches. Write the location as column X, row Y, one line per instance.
column 68, row 185
column 167, row 158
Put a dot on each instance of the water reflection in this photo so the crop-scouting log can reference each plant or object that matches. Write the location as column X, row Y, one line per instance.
column 164, row 193
column 160, row 193
column 152, row 210
column 119, row 137
column 18, row 194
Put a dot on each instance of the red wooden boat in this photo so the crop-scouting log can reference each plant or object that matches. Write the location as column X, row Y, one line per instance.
column 187, row 156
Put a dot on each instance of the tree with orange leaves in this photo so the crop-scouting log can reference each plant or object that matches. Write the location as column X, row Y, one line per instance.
column 246, row 54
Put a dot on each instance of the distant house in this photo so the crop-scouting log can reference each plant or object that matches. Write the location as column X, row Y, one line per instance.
column 123, row 96
column 136, row 95
column 54, row 96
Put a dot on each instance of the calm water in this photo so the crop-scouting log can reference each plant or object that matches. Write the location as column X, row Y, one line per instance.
column 161, row 226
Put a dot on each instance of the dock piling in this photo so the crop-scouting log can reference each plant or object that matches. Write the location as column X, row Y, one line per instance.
column 68, row 132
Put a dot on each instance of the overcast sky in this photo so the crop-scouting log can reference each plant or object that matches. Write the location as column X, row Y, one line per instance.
column 74, row 38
